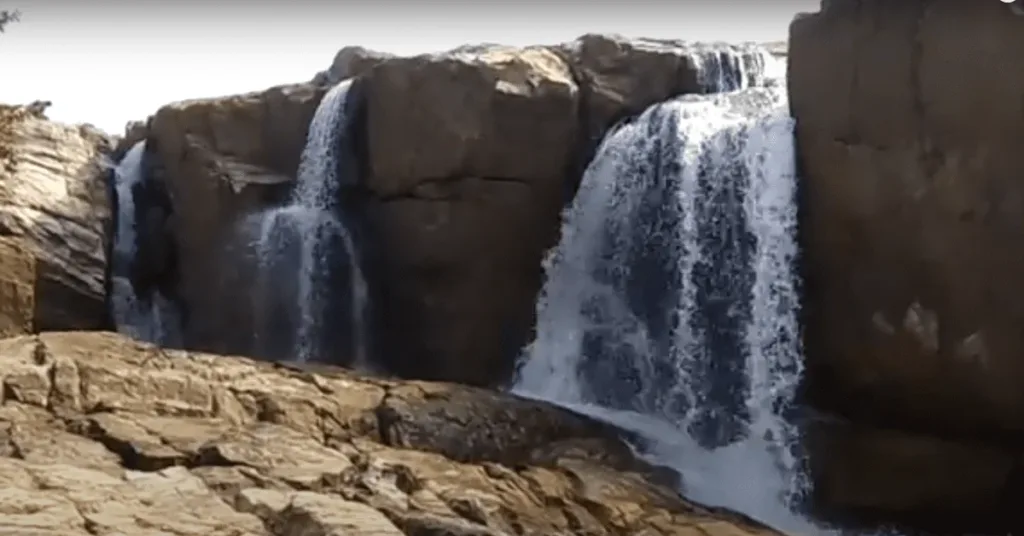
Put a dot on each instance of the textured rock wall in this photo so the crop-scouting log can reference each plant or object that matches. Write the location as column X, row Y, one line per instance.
column 54, row 224
column 100, row 435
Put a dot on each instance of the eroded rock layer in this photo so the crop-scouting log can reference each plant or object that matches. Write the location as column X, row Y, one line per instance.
column 55, row 222
column 100, row 435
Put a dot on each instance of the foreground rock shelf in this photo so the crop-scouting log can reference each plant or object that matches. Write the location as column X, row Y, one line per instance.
column 100, row 435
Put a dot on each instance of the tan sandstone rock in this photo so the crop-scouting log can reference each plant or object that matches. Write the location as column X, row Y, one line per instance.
column 54, row 220
column 501, row 113
column 349, row 62
column 100, row 435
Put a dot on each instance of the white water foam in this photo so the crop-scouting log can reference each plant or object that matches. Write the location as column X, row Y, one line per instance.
column 151, row 320
column 312, row 219
column 695, row 202
column 727, row 67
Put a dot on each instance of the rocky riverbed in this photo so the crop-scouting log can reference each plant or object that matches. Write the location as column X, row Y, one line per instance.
column 101, row 435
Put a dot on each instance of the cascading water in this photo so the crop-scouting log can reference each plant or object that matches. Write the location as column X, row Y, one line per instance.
column 728, row 67
column 671, row 302
column 305, row 251
column 151, row 317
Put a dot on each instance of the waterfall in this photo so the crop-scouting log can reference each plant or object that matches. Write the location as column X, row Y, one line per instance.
column 306, row 255
column 726, row 67
column 671, row 302
column 149, row 316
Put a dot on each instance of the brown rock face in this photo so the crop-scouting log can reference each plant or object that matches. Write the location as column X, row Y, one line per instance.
column 501, row 113
column 101, row 435
column 469, row 158
column 909, row 125
column 223, row 159
column 864, row 474
column 623, row 77
column 909, row 132
column 472, row 155
column 349, row 62
column 17, row 287
column 54, row 220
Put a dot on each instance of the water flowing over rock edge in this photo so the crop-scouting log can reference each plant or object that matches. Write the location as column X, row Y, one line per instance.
column 758, row 121
column 868, row 50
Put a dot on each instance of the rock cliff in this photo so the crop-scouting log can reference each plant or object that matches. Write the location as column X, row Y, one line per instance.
column 100, row 435
column 909, row 125
column 54, row 223
column 469, row 157
column 221, row 160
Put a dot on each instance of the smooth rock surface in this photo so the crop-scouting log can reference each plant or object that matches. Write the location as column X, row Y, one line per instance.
column 909, row 127
column 54, row 223
column 469, row 154
column 100, row 435
column 472, row 155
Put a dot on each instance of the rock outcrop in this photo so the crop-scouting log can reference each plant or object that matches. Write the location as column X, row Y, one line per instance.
column 350, row 61
column 470, row 156
column 909, row 128
column 54, row 223
column 221, row 160
column 100, row 435
column 470, row 160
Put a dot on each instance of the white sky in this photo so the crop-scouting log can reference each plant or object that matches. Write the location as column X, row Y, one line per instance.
column 112, row 62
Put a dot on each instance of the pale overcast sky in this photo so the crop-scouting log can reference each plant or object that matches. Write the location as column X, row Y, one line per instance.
column 110, row 62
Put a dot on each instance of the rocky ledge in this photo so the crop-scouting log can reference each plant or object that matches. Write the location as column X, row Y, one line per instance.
column 102, row 435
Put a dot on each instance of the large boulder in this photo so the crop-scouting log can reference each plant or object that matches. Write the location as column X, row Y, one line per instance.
column 222, row 160
column 102, row 435
column 909, row 128
column 469, row 154
column 350, row 62
column 472, row 155
column 54, row 222
column 909, row 121
column 621, row 77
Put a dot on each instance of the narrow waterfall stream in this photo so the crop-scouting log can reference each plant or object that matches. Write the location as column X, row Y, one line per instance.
column 308, row 262
column 147, row 315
